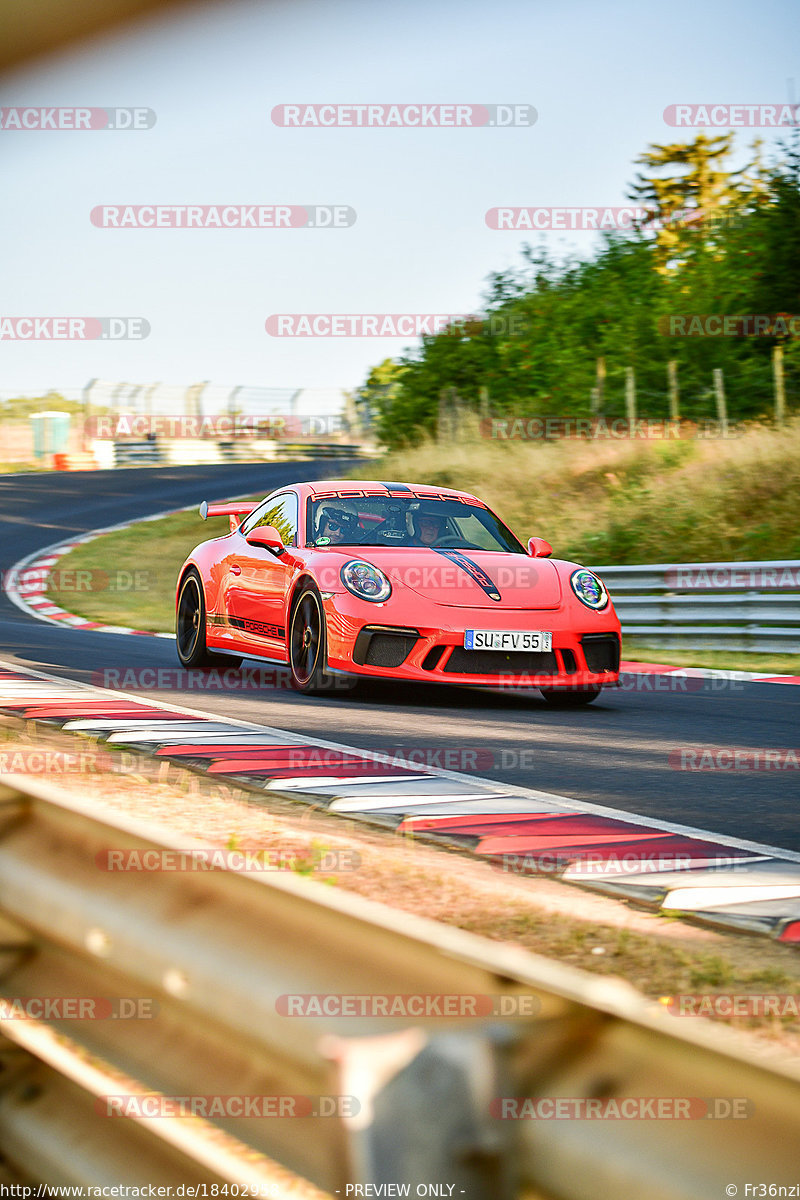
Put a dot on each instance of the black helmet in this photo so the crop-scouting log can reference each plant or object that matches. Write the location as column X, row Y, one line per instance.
column 347, row 521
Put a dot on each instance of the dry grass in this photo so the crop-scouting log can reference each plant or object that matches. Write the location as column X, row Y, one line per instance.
column 622, row 502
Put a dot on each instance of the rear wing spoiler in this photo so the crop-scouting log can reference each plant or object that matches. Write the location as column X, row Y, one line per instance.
column 238, row 508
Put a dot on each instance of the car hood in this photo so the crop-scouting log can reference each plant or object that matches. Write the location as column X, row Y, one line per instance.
column 468, row 579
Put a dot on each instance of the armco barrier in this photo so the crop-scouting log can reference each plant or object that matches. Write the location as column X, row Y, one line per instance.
column 189, row 451
column 710, row 605
column 298, row 450
column 137, row 454
column 217, row 953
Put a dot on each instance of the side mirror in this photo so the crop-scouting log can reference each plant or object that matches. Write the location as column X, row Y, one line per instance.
column 539, row 548
column 266, row 536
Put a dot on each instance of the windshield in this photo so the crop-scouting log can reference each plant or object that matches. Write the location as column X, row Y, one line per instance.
column 393, row 521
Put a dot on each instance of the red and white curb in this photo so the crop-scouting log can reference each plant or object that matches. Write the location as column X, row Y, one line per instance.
column 639, row 668
column 25, row 585
column 26, row 581
column 723, row 882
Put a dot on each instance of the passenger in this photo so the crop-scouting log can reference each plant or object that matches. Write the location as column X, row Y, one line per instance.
column 429, row 526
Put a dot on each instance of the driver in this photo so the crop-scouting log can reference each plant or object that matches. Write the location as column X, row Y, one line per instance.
column 337, row 525
column 429, row 526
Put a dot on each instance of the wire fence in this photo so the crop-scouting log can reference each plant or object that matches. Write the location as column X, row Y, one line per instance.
column 205, row 398
column 73, row 421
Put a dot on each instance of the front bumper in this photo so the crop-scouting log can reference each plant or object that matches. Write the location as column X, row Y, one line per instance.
column 583, row 655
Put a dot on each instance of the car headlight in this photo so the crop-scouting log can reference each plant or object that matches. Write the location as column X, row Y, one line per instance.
column 589, row 589
column 365, row 581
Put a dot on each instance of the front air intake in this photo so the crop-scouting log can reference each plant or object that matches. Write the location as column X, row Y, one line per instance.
column 601, row 651
column 383, row 646
column 498, row 662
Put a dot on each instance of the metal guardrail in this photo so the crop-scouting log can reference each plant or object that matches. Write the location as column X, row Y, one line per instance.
column 136, row 454
column 714, row 605
column 164, row 451
column 217, row 949
column 316, row 450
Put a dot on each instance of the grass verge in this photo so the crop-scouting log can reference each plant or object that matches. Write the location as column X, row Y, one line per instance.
column 623, row 502
column 128, row 577
column 21, row 468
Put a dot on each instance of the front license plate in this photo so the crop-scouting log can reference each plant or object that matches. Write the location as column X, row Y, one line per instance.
column 507, row 639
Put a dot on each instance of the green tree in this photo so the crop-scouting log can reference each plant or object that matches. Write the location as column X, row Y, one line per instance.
column 686, row 205
column 534, row 351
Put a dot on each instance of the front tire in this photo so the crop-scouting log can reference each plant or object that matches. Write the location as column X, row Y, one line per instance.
column 561, row 698
column 307, row 649
column 190, row 627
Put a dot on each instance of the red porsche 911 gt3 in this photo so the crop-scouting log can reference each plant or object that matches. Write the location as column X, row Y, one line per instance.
column 349, row 579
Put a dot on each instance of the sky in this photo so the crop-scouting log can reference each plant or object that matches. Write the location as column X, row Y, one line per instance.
column 598, row 75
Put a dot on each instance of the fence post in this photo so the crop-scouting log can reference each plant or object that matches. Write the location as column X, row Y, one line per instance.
column 352, row 417
column 454, row 410
column 780, row 389
column 630, row 397
column 232, row 394
column 117, row 393
column 672, row 383
column 148, row 410
column 722, row 408
column 443, row 420
column 193, row 403
column 600, row 386
column 87, row 392
column 148, row 398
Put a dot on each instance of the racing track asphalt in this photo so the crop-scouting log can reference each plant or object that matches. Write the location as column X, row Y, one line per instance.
column 615, row 752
